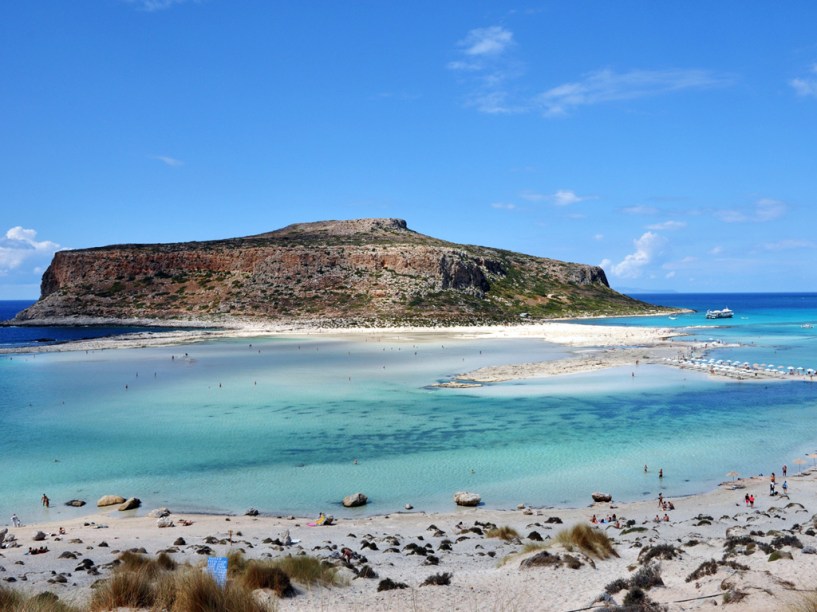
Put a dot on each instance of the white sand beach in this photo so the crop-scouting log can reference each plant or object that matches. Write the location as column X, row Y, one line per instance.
column 764, row 557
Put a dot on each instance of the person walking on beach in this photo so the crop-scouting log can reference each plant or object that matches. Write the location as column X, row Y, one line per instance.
column 46, row 501
column 785, row 469
column 15, row 521
column 661, row 500
column 785, row 487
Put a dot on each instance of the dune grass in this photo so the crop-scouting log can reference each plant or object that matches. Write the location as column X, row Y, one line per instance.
column 12, row 601
column 590, row 541
column 309, row 571
column 503, row 533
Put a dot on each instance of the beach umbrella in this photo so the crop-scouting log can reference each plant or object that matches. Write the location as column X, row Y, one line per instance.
column 799, row 461
column 733, row 474
column 812, row 456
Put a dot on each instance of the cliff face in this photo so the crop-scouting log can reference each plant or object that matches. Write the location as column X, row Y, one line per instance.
column 339, row 272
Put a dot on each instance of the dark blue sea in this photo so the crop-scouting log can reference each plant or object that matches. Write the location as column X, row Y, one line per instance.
column 22, row 336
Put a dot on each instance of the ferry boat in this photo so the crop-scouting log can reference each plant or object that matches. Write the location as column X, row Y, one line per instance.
column 719, row 314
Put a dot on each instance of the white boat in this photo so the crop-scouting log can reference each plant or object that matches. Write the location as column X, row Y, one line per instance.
column 719, row 314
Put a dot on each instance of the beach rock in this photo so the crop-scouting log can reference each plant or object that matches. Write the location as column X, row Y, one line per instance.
column 809, row 550
column 39, row 536
column 251, row 512
column 409, row 507
column 130, row 504
column 179, row 542
column 76, row 503
column 355, row 500
column 159, row 513
column 109, row 500
column 164, row 521
column 464, row 498
column 602, row 497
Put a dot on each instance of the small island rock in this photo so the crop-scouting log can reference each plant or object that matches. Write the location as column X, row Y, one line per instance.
column 464, row 498
column 602, row 497
column 76, row 503
column 355, row 500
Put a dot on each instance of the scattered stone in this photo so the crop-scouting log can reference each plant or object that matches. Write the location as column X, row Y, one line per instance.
column 366, row 572
column 67, row 555
column 355, row 500
column 464, row 498
column 130, row 504
column 554, row 519
column 38, row 536
column 809, row 550
column 110, row 500
column 76, row 503
column 535, row 536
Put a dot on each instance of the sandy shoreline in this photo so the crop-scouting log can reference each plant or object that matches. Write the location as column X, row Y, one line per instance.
column 486, row 571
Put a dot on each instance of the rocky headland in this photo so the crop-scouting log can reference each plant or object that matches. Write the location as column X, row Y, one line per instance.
column 365, row 272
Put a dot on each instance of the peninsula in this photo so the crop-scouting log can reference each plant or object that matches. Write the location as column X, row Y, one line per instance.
column 355, row 273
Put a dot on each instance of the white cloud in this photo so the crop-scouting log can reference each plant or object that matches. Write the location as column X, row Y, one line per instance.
column 503, row 206
column 764, row 210
column 150, row 6
column 647, row 247
column 608, row 86
column 598, row 237
column 789, row 245
column 493, row 40
column 806, row 86
column 667, row 225
column 670, row 274
column 640, row 209
column 562, row 197
column 20, row 245
column 716, row 250
column 169, row 161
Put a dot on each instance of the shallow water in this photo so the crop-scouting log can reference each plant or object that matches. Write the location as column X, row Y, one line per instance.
column 277, row 425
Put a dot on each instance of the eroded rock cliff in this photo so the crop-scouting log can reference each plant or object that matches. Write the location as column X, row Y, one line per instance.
column 359, row 272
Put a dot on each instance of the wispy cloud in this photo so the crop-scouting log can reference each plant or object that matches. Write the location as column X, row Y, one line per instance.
column 667, row 225
column 640, row 209
column 169, row 161
column 562, row 197
column 789, row 245
column 503, row 206
column 647, row 248
column 806, row 86
column 485, row 66
column 151, row 6
column 20, row 245
column 764, row 210
column 604, row 86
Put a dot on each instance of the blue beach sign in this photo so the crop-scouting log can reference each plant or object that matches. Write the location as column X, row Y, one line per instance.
column 217, row 568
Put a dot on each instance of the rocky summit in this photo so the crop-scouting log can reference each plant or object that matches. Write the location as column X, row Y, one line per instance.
column 333, row 273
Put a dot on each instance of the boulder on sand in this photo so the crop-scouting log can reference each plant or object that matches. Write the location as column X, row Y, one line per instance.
column 39, row 536
column 355, row 500
column 464, row 498
column 110, row 500
column 130, row 504
column 601, row 497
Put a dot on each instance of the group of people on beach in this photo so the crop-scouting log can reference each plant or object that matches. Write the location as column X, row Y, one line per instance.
column 773, row 483
column 610, row 520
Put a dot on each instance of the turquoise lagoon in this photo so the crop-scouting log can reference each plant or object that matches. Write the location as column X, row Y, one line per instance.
column 277, row 424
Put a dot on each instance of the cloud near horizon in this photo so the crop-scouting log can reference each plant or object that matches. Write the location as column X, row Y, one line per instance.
column 169, row 161
column 647, row 248
column 20, row 245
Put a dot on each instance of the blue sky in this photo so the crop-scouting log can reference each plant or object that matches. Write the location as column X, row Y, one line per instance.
column 674, row 143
